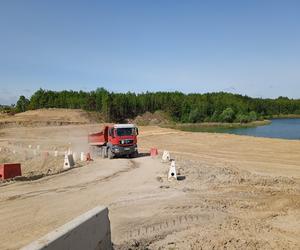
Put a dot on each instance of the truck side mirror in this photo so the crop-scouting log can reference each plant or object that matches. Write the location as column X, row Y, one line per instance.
column 137, row 131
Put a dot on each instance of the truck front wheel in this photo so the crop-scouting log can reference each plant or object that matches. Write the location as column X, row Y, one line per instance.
column 110, row 154
column 103, row 152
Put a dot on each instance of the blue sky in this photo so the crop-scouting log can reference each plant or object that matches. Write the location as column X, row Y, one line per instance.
column 247, row 47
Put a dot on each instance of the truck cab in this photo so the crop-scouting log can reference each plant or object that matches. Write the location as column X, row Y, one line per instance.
column 122, row 140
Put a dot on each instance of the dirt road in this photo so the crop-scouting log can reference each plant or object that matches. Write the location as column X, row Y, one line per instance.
column 30, row 209
column 238, row 192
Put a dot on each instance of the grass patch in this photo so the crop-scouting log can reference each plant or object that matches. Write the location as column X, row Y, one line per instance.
column 214, row 127
column 285, row 116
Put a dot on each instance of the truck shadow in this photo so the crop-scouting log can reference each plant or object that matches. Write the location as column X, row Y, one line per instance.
column 143, row 155
column 140, row 155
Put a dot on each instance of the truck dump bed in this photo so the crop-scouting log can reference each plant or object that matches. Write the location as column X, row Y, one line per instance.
column 100, row 138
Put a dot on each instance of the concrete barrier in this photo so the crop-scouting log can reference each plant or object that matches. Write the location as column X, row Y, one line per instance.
column 172, row 171
column 89, row 231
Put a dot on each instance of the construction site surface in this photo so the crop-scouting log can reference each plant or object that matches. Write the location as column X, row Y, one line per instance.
column 238, row 192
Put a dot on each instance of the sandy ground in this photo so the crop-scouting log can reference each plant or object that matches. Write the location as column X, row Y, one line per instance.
column 238, row 192
column 46, row 117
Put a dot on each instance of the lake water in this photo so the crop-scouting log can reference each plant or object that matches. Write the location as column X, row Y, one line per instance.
column 279, row 128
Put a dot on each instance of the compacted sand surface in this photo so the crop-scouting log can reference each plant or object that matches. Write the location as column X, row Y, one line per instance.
column 235, row 192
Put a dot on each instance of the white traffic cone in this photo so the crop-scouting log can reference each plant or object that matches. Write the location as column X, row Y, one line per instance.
column 172, row 171
column 166, row 156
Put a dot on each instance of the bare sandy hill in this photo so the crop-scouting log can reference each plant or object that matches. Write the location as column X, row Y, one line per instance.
column 51, row 117
column 156, row 118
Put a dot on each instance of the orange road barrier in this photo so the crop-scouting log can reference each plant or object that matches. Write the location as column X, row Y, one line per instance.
column 153, row 152
column 10, row 170
column 88, row 157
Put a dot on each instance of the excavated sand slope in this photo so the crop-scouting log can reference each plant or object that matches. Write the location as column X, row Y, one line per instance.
column 42, row 117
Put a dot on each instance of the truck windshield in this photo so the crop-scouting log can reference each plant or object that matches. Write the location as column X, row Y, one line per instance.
column 125, row 131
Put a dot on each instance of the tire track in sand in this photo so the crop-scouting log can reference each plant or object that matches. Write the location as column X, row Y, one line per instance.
column 77, row 187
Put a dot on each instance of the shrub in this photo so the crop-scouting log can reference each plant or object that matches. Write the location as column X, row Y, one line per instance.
column 227, row 115
column 242, row 118
column 252, row 116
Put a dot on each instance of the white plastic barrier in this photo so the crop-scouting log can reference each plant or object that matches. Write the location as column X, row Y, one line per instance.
column 70, row 152
column 82, row 156
column 90, row 231
column 166, row 156
column 75, row 156
column 172, row 171
column 68, row 161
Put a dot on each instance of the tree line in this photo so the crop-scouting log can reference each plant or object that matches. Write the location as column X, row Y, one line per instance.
column 186, row 108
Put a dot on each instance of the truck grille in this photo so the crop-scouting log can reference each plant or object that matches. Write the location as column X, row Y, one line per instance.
column 126, row 141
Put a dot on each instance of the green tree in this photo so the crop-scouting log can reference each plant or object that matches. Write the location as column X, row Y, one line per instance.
column 194, row 115
column 22, row 104
column 216, row 107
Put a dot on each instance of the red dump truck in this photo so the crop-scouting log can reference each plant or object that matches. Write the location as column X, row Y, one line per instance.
column 115, row 140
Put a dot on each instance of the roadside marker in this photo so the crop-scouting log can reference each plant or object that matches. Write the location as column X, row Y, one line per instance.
column 68, row 161
column 82, row 156
column 55, row 153
column 46, row 154
column 75, row 156
column 172, row 171
column 166, row 156
column 153, row 152
column 88, row 157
